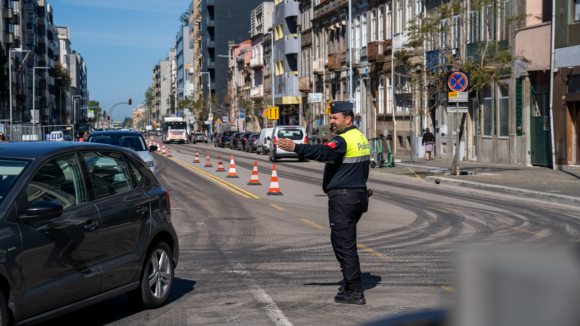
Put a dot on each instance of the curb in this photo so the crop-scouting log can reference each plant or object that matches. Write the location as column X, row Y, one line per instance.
column 523, row 193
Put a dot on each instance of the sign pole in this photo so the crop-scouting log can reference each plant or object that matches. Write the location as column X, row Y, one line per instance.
column 458, row 149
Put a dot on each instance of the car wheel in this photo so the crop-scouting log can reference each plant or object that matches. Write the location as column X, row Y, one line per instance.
column 156, row 278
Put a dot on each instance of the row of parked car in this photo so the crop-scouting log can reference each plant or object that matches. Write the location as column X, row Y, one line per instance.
column 263, row 142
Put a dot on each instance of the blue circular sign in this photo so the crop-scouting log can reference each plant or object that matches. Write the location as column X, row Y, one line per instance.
column 457, row 82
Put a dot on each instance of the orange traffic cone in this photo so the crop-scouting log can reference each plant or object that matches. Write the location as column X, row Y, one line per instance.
column 274, row 186
column 196, row 159
column 220, row 165
column 169, row 152
column 254, row 181
column 158, row 148
column 207, row 162
column 163, row 150
column 232, row 173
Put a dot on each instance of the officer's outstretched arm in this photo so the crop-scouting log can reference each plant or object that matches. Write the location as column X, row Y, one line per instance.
column 330, row 151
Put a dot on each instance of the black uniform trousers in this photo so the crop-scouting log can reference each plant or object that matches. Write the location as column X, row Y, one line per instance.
column 344, row 212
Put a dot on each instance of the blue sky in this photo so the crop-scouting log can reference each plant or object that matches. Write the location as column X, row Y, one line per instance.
column 121, row 41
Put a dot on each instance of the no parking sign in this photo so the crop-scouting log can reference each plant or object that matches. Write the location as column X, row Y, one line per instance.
column 457, row 82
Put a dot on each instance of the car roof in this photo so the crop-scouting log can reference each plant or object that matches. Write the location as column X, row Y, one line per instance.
column 114, row 132
column 37, row 149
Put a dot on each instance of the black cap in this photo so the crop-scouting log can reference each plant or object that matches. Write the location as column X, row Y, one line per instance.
column 336, row 107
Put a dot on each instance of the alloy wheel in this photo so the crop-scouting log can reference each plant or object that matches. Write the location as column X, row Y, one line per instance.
column 160, row 274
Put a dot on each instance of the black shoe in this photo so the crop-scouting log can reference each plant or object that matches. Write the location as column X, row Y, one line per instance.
column 351, row 297
column 341, row 291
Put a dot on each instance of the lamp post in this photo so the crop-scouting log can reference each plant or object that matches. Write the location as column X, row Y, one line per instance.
column 209, row 96
column 33, row 93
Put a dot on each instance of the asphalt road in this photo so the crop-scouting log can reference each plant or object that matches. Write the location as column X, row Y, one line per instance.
column 251, row 259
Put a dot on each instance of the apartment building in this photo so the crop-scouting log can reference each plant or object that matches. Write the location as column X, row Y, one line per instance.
column 12, row 36
column 184, row 61
column 222, row 21
column 286, row 53
column 63, row 56
column 166, row 100
column 79, row 88
column 195, row 44
column 156, row 85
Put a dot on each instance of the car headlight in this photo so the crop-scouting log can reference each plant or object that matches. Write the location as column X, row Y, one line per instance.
column 150, row 163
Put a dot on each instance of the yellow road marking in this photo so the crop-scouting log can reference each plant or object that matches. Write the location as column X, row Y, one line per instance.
column 225, row 184
column 437, row 209
column 278, row 207
column 382, row 195
column 374, row 252
column 511, row 227
column 313, row 224
column 416, row 175
column 317, row 180
column 449, row 288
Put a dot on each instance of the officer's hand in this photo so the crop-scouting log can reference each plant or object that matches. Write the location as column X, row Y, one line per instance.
column 286, row 144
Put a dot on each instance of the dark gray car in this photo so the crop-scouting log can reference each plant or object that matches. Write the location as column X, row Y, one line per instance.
column 80, row 223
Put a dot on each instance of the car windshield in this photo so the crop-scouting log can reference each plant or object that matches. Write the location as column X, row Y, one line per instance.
column 228, row 133
column 83, row 127
column 10, row 170
column 134, row 142
column 293, row 134
column 176, row 125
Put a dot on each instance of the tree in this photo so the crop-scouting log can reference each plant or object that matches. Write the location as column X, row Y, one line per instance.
column 440, row 40
column 128, row 122
column 149, row 98
column 184, row 19
column 95, row 105
column 63, row 84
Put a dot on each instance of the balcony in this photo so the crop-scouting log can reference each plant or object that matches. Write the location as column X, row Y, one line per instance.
column 8, row 38
column 292, row 45
column 257, row 91
column 318, row 66
column 210, row 21
column 7, row 13
column 198, row 17
column 257, row 62
column 356, row 53
column 376, row 51
column 210, row 3
column 291, row 9
column 241, row 57
column 305, row 84
column 400, row 40
column 210, row 43
column 17, row 42
column 327, row 7
column 16, row 19
column 334, row 61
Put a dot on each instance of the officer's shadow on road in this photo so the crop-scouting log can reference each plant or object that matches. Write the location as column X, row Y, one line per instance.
column 181, row 287
column 369, row 282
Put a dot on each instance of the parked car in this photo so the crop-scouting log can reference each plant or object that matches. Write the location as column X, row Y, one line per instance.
column 82, row 222
column 252, row 142
column 263, row 145
column 223, row 139
column 244, row 137
column 126, row 139
column 81, row 129
column 199, row 137
column 234, row 140
column 295, row 133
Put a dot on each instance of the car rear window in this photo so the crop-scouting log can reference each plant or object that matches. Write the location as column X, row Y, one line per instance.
column 135, row 142
column 293, row 134
column 10, row 170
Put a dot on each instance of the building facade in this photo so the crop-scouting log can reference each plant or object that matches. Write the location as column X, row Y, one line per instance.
column 184, row 61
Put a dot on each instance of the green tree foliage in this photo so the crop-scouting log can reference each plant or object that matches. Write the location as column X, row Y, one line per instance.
column 184, row 19
column 95, row 105
column 63, row 84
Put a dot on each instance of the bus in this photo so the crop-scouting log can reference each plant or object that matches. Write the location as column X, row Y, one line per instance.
column 174, row 129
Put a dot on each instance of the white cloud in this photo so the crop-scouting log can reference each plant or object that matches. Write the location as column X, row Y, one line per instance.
column 167, row 6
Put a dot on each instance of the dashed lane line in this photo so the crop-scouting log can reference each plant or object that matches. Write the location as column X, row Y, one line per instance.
column 511, row 227
column 277, row 207
column 437, row 209
column 313, row 224
column 223, row 183
column 374, row 252
column 381, row 195
column 448, row 288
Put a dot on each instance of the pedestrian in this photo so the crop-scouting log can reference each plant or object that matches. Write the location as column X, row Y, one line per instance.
column 344, row 182
column 428, row 141
column 2, row 137
column 85, row 136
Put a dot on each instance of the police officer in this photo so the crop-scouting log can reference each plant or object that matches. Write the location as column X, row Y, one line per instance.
column 347, row 158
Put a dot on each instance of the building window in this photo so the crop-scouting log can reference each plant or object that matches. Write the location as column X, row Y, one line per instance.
column 389, row 22
column 277, row 2
column 444, row 33
column 364, row 31
column 419, row 8
column 503, row 27
column 577, row 10
column 279, row 32
column 389, row 96
column 455, row 33
column 409, row 13
column 474, row 26
column 358, row 102
column 504, row 111
column 381, row 96
column 487, row 112
column 381, row 23
column 357, row 43
column 280, row 68
column 373, row 26
column 399, row 17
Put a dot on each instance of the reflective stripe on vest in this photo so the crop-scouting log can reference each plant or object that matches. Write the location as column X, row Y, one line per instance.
column 358, row 149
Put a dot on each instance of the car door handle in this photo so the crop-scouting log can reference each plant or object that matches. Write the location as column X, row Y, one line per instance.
column 141, row 210
column 92, row 226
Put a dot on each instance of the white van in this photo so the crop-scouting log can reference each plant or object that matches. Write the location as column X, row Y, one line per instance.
column 263, row 145
column 296, row 133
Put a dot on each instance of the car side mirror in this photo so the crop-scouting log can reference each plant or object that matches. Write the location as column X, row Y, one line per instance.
column 153, row 148
column 42, row 210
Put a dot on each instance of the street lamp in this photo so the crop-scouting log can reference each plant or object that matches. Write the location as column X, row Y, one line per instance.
column 33, row 95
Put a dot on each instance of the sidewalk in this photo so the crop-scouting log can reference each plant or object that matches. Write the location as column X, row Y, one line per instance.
column 536, row 182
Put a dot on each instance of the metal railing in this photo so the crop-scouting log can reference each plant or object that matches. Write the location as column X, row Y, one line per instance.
column 27, row 132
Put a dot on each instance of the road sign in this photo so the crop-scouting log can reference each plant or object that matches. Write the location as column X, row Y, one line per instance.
column 242, row 114
column 211, row 116
column 457, row 82
column 186, row 67
column 457, row 97
column 458, row 108
column 219, row 121
column 225, row 118
column 273, row 113
column 315, row 98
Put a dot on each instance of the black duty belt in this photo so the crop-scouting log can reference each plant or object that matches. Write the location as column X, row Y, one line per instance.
column 345, row 191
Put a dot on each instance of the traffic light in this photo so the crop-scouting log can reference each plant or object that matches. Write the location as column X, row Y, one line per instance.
column 130, row 102
column 108, row 117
